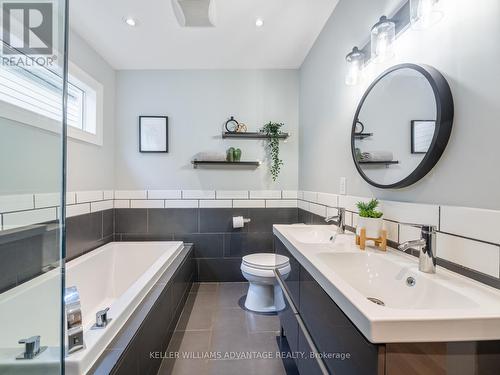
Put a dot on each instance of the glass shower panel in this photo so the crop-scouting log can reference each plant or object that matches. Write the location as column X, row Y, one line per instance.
column 32, row 59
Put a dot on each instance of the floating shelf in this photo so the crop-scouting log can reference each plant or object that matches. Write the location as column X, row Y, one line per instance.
column 197, row 163
column 363, row 135
column 378, row 162
column 251, row 135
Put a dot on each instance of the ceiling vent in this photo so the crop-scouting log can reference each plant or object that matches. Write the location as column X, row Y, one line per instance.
column 195, row 13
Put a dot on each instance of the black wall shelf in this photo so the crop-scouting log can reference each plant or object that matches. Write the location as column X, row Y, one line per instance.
column 363, row 135
column 251, row 135
column 378, row 162
column 197, row 163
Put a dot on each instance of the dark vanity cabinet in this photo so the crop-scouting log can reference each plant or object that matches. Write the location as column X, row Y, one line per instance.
column 311, row 312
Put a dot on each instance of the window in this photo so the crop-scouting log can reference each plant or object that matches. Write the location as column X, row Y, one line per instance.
column 28, row 94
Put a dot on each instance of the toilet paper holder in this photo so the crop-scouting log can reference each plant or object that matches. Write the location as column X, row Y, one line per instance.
column 240, row 221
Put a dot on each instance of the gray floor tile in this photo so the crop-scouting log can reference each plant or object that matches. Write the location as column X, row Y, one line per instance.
column 262, row 323
column 230, row 294
column 204, row 287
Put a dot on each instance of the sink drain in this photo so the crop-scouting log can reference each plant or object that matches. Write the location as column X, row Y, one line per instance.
column 376, row 301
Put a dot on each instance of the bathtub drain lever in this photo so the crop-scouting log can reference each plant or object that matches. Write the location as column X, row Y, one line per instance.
column 101, row 318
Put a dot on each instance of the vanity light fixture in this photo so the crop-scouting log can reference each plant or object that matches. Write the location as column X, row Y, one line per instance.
column 259, row 22
column 132, row 22
column 383, row 36
column 425, row 13
column 355, row 61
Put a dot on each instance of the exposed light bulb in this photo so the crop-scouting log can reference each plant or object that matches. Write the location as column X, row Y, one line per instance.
column 383, row 36
column 130, row 21
column 259, row 22
column 355, row 62
column 425, row 13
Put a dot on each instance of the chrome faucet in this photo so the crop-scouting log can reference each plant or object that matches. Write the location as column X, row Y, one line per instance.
column 339, row 218
column 427, row 246
column 32, row 348
column 101, row 318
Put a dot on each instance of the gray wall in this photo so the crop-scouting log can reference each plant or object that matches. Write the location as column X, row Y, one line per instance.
column 198, row 104
column 467, row 174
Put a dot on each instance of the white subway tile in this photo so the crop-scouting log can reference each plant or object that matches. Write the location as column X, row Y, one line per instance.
column 265, row 194
column 355, row 218
column 328, row 199
column 212, row 203
column 232, row 194
column 131, row 194
column 142, row 203
column 310, row 196
column 471, row 222
column 164, row 194
column 317, row 209
column 181, row 203
column 331, row 211
column 392, row 230
column 24, row 218
column 47, row 200
column 349, row 202
column 290, row 194
column 410, row 212
column 348, row 218
column 282, row 203
column 70, row 197
column 300, row 195
column 108, row 195
column 9, row 203
column 303, row 205
column 89, row 196
column 122, row 203
column 407, row 233
column 478, row 256
column 198, row 194
column 249, row 203
column 77, row 209
column 101, row 206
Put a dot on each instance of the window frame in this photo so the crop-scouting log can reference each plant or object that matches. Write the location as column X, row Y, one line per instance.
column 79, row 78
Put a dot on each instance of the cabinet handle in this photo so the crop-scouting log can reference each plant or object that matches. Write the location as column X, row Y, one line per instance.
column 301, row 324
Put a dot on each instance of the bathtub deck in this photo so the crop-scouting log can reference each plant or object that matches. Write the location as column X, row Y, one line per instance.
column 213, row 321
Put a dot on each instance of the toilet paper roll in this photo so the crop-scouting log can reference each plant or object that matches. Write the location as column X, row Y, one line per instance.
column 238, row 222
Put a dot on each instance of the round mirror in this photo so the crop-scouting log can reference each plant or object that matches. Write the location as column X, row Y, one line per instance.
column 406, row 116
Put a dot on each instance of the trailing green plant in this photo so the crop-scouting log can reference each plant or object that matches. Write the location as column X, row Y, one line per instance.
column 273, row 130
column 369, row 209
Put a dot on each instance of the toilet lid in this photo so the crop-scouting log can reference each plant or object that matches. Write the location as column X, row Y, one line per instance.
column 265, row 260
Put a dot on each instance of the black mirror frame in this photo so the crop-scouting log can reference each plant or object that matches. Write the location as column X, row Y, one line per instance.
column 444, row 123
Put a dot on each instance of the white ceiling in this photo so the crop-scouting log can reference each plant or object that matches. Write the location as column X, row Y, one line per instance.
column 158, row 42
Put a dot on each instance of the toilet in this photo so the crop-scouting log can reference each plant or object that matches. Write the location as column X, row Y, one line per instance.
column 264, row 294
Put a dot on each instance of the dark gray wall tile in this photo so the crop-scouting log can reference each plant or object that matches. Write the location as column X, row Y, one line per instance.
column 205, row 245
column 264, row 218
column 221, row 270
column 220, row 220
column 172, row 220
column 108, row 225
column 241, row 244
column 131, row 220
column 144, row 237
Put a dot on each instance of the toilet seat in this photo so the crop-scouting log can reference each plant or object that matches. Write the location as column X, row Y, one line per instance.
column 266, row 261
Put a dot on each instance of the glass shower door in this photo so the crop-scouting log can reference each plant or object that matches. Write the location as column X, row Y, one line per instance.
column 32, row 181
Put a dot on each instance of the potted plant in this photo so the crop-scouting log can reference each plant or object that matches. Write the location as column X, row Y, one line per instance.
column 273, row 131
column 369, row 218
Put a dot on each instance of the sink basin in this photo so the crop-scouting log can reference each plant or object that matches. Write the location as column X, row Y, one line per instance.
column 314, row 234
column 380, row 279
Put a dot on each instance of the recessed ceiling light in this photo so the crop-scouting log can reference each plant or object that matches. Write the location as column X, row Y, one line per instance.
column 130, row 21
column 259, row 22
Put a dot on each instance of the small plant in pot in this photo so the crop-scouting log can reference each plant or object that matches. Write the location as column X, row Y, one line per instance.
column 369, row 218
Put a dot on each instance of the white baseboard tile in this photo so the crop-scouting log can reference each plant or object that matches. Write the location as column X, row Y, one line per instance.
column 331, row 200
column 407, row 233
column 416, row 213
column 283, row 203
column 198, row 194
column 24, row 218
column 11, row 203
column 89, row 196
column 475, row 255
column 317, row 209
column 303, row 205
column 108, row 195
column 349, row 202
column 392, row 230
column 310, row 196
column 265, row 194
column 131, row 194
column 216, row 203
column 47, row 200
column 251, row 203
column 289, row 194
column 101, row 206
column 150, row 203
column 232, row 194
column 122, row 203
column 77, row 209
column 164, row 194
column 474, row 223
column 184, row 203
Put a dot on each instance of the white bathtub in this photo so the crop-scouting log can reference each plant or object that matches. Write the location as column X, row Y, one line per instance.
column 117, row 275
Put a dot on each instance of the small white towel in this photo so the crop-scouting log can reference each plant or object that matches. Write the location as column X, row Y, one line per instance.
column 211, row 156
column 377, row 156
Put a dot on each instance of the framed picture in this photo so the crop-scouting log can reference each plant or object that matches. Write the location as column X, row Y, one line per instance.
column 422, row 132
column 153, row 133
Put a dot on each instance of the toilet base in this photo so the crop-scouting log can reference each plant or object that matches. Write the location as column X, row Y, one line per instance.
column 264, row 297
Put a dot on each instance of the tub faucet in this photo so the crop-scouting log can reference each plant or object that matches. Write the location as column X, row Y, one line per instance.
column 427, row 246
column 101, row 318
column 339, row 218
column 32, row 348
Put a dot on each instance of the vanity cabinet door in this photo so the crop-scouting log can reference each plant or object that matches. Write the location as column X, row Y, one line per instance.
column 306, row 364
column 290, row 327
column 333, row 332
column 292, row 280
